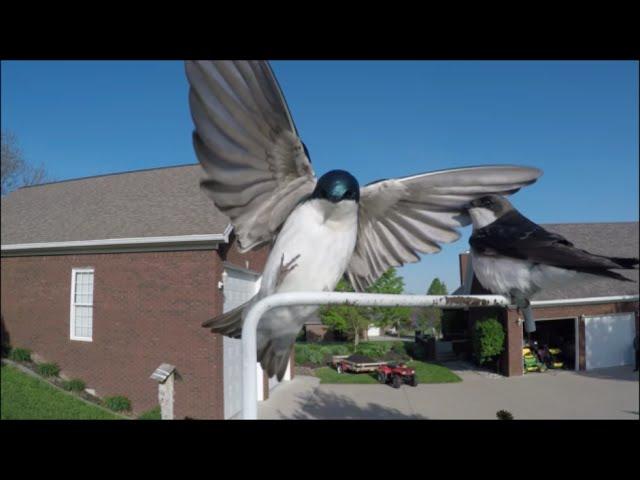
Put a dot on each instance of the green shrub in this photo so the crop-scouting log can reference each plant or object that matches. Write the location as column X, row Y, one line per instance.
column 48, row 369
column 318, row 353
column 300, row 353
column 20, row 355
column 153, row 414
column 75, row 385
column 504, row 415
column 399, row 348
column 118, row 403
column 315, row 356
column 488, row 339
column 374, row 350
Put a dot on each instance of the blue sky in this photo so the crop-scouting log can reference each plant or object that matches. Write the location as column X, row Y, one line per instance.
column 577, row 121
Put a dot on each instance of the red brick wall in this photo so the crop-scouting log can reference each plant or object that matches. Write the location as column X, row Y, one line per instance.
column 148, row 308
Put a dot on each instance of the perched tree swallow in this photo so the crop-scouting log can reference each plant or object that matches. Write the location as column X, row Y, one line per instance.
column 260, row 176
column 515, row 257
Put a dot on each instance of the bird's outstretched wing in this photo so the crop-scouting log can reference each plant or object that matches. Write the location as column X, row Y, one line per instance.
column 514, row 235
column 247, row 142
column 403, row 217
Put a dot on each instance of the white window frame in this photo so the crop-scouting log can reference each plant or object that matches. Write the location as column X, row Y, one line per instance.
column 72, row 322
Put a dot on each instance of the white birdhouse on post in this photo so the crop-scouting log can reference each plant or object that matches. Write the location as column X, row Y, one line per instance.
column 164, row 375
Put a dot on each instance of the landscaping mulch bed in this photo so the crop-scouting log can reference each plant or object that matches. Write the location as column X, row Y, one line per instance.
column 360, row 359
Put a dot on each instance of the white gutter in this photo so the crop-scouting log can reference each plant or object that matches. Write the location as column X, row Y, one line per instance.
column 255, row 313
column 204, row 240
column 585, row 301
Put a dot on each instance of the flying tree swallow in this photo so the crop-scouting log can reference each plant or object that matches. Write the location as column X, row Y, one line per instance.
column 513, row 256
column 260, row 176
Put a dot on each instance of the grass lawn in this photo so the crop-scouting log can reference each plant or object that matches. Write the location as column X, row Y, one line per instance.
column 432, row 373
column 27, row 398
column 426, row 372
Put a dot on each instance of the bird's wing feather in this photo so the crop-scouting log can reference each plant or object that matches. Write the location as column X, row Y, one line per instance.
column 398, row 219
column 246, row 141
column 516, row 236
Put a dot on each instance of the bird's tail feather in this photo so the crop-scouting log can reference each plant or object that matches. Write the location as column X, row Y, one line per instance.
column 625, row 262
column 274, row 355
column 606, row 273
column 229, row 323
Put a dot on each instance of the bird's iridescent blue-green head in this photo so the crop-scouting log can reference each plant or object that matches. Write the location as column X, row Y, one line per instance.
column 337, row 185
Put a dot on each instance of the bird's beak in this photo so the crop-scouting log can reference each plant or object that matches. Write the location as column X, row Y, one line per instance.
column 469, row 205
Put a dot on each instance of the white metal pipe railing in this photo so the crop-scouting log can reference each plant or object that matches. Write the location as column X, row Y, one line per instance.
column 255, row 313
column 249, row 355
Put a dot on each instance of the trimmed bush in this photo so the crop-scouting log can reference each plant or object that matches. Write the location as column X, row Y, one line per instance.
column 153, row 414
column 75, row 385
column 48, row 369
column 317, row 353
column 315, row 356
column 504, row 415
column 488, row 340
column 20, row 355
column 118, row 403
column 399, row 348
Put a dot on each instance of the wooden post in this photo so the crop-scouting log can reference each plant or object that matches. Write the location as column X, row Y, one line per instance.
column 165, row 376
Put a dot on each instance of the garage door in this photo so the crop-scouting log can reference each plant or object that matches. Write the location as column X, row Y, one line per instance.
column 609, row 340
column 239, row 286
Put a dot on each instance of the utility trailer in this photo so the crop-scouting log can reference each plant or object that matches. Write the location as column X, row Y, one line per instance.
column 355, row 364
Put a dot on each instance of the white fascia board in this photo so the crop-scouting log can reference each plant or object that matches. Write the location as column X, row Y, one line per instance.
column 585, row 301
column 174, row 242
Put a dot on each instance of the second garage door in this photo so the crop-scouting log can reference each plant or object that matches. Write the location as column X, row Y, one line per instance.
column 609, row 340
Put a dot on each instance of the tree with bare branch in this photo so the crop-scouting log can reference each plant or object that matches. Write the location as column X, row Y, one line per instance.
column 16, row 170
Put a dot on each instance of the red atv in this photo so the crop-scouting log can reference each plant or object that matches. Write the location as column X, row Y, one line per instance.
column 397, row 374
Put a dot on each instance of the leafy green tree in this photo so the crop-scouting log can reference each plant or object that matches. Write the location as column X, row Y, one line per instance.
column 354, row 321
column 385, row 317
column 428, row 318
column 437, row 287
column 346, row 319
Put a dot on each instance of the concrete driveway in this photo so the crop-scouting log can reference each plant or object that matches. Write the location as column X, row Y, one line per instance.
column 599, row 394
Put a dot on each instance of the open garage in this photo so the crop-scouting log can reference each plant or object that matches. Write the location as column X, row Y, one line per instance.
column 559, row 333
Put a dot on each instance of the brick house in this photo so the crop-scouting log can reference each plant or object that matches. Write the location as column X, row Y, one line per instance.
column 597, row 332
column 111, row 276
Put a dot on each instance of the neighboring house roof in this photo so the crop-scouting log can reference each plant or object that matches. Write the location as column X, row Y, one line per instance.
column 158, row 203
column 619, row 239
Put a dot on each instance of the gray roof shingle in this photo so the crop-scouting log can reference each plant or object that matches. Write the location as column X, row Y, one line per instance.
column 146, row 203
